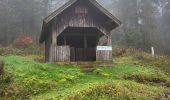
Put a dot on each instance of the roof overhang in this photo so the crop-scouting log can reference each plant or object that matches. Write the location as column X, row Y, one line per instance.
column 112, row 23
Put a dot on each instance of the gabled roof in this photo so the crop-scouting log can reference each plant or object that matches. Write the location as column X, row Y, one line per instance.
column 53, row 15
column 71, row 2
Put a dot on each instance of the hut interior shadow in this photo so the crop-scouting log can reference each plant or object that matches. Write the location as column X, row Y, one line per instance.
column 82, row 42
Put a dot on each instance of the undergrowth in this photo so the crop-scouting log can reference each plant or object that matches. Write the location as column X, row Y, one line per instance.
column 138, row 76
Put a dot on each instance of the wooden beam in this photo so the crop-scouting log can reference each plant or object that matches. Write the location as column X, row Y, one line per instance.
column 54, row 33
column 81, row 34
column 85, row 41
column 109, row 40
column 53, row 43
column 65, row 40
column 108, row 22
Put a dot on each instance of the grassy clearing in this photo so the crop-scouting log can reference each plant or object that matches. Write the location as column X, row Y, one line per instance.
column 128, row 79
column 160, row 62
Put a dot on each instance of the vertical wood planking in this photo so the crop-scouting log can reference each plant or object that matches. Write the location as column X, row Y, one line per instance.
column 72, row 54
column 103, row 55
column 79, row 18
column 85, row 41
column 63, row 53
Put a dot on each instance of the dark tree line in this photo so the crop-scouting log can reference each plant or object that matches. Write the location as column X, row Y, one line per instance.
column 23, row 17
column 145, row 23
column 19, row 17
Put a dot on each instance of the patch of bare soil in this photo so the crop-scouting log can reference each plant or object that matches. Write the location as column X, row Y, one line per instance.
column 143, row 79
column 1, row 67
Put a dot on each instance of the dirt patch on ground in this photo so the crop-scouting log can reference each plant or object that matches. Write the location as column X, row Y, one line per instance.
column 1, row 67
column 145, row 79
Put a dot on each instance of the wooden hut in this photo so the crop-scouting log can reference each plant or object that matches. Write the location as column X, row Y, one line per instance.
column 74, row 32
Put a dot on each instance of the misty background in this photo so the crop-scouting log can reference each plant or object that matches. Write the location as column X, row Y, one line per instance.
column 145, row 23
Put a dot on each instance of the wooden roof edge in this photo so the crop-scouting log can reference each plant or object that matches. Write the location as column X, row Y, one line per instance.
column 70, row 2
column 59, row 10
column 41, row 40
column 106, row 12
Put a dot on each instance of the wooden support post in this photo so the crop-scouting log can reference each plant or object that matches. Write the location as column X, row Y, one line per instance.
column 53, row 43
column 85, row 41
column 98, row 39
column 109, row 40
column 65, row 40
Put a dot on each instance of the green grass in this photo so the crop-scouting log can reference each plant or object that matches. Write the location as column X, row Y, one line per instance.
column 128, row 79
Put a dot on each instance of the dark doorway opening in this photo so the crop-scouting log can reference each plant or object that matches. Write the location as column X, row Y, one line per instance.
column 82, row 42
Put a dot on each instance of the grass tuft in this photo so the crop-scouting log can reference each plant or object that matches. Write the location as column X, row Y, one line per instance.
column 130, row 78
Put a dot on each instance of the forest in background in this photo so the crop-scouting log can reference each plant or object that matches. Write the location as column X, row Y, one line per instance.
column 145, row 23
column 133, row 74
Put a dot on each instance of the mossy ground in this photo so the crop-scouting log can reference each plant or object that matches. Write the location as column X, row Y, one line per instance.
column 129, row 78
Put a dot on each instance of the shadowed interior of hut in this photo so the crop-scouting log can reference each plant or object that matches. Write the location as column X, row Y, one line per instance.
column 82, row 42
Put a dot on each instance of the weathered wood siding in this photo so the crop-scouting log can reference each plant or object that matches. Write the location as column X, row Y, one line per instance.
column 87, row 54
column 72, row 54
column 47, row 49
column 60, row 53
column 83, row 54
column 78, row 16
column 103, row 55
column 48, row 46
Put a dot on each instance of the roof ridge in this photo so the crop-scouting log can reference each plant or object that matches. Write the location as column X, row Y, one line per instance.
column 70, row 2
column 65, row 6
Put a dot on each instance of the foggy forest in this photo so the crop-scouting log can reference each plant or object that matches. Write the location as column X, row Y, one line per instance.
column 147, row 20
column 132, row 64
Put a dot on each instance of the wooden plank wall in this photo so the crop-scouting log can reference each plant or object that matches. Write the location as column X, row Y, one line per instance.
column 72, row 54
column 47, row 50
column 62, row 53
column 65, row 53
column 59, row 53
column 103, row 55
column 52, row 53
column 82, row 54
column 72, row 19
